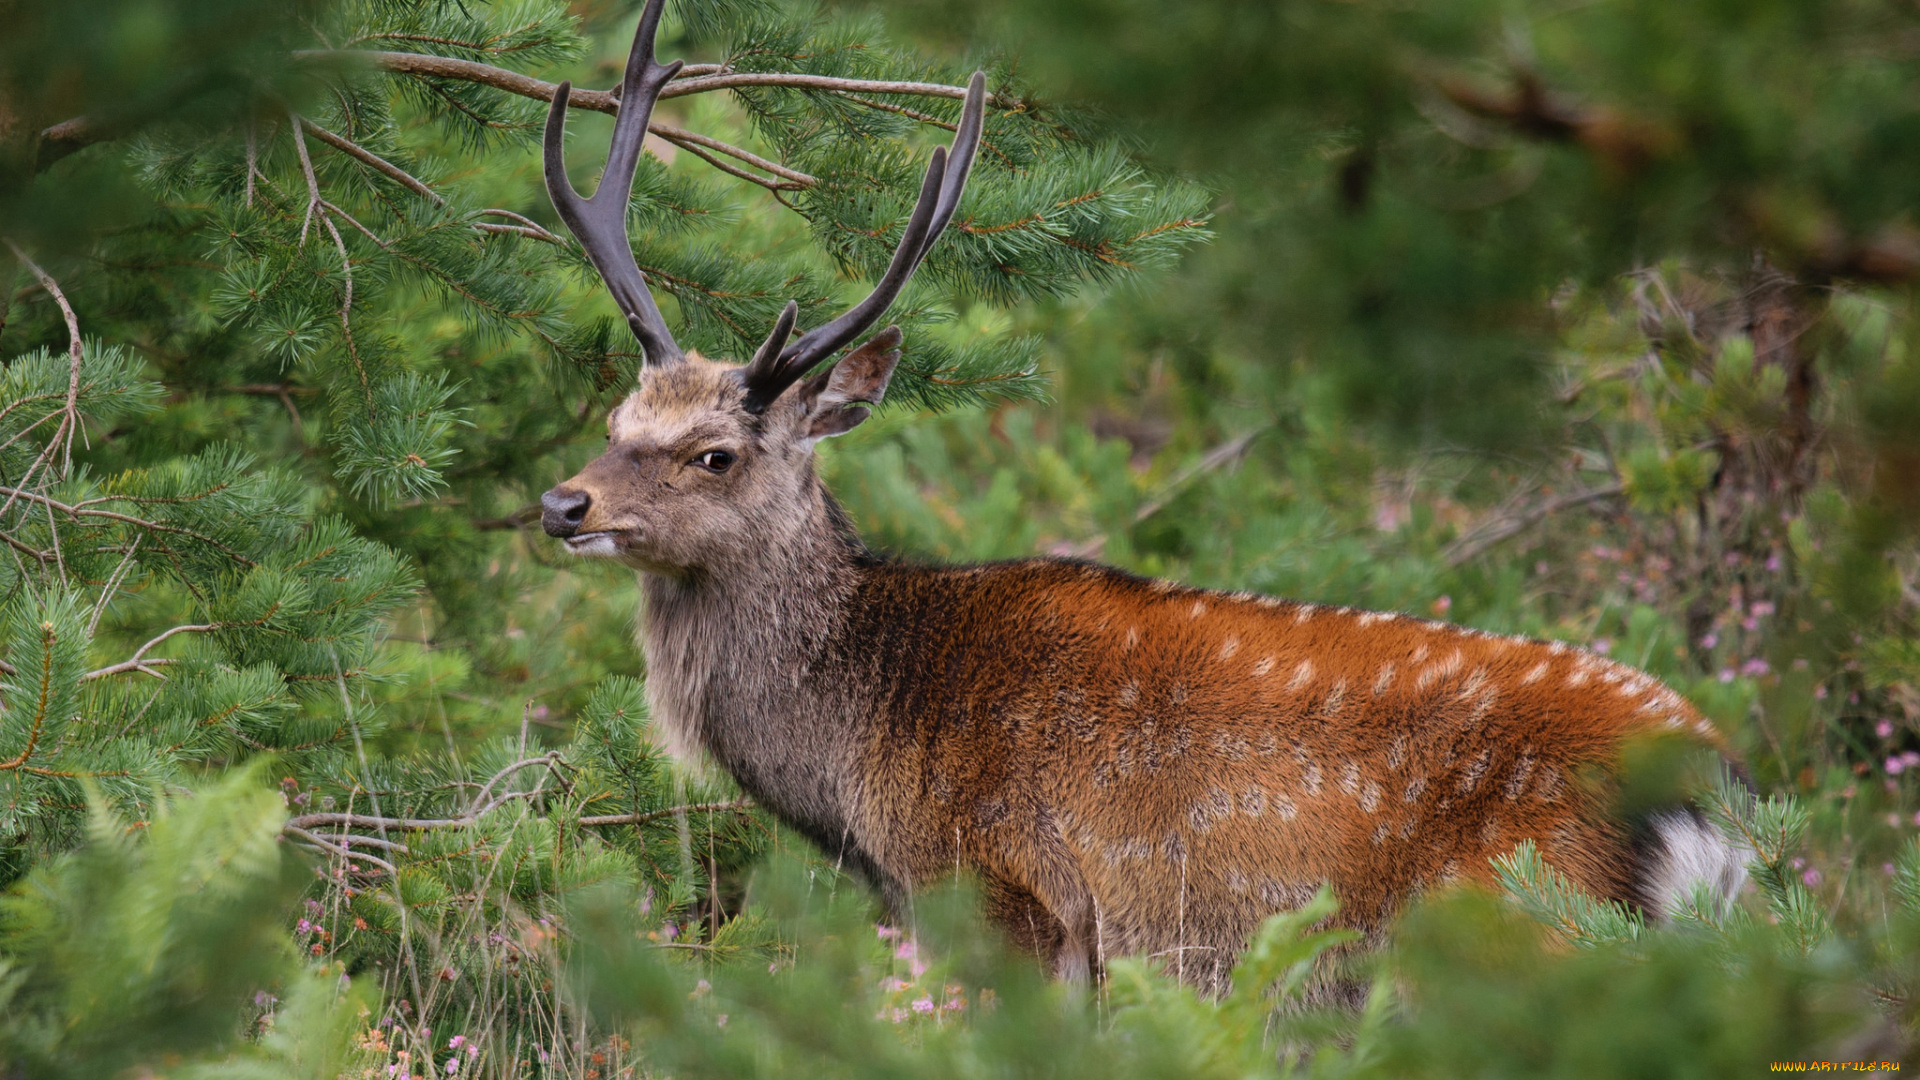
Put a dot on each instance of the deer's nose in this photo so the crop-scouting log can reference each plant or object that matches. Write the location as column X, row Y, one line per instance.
column 562, row 509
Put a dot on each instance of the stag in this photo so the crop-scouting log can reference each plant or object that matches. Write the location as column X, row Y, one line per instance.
column 1126, row 766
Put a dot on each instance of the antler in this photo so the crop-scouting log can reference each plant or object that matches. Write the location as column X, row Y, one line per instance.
column 601, row 222
column 775, row 367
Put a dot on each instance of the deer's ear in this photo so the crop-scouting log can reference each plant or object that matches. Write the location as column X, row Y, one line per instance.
column 837, row 396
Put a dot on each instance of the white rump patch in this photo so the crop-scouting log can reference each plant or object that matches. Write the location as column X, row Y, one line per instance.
column 1690, row 852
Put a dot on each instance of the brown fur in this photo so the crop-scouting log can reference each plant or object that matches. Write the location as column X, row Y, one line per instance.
column 1128, row 766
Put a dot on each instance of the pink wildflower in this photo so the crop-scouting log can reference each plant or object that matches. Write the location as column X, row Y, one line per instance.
column 1603, row 646
column 1811, row 878
column 1895, row 766
column 1754, row 667
column 1884, row 729
column 923, row 1005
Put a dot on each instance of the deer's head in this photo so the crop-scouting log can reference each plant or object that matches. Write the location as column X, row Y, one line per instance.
column 707, row 460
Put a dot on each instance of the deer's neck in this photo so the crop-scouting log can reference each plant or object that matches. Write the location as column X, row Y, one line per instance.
column 731, row 655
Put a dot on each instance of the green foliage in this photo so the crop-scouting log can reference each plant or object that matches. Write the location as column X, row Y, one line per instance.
column 167, row 942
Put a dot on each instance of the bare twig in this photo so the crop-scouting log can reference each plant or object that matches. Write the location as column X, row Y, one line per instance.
column 321, row 207
column 732, row 805
column 370, row 821
column 335, row 849
column 367, row 157
column 522, row 224
column 113, row 584
column 446, row 67
column 313, row 181
column 1226, row 452
column 683, row 137
column 71, row 411
column 139, row 662
column 1503, row 526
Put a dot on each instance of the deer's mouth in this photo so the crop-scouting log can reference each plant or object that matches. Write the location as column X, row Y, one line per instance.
column 601, row 544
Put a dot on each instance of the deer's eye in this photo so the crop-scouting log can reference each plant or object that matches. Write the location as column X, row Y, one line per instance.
column 715, row 461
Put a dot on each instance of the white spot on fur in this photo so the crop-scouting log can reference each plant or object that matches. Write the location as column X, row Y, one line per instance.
column 1419, row 654
column 1336, row 697
column 1490, row 831
column 1306, row 612
column 1445, row 669
column 1539, row 672
column 1470, row 779
column 1130, row 693
column 1383, row 680
column 1199, row 609
column 1414, row 790
column 1517, row 783
column 1397, row 752
column 1264, row 668
column 1243, row 597
column 1312, row 780
column 1162, row 585
column 1269, row 601
column 1350, row 778
column 1475, row 680
column 1370, row 797
column 1253, row 801
column 1284, row 807
column 1301, row 673
column 1380, row 832
column 1482, row 707
column 1229, row 647
column 1368, row 618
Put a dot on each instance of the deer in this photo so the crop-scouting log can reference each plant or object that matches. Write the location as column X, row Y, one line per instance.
column 1125, row 766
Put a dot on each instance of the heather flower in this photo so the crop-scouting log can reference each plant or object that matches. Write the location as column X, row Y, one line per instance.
column 1895, row 766
column 923, row 1005
column 1811, row 878
column 1884, row 729
column 1754, row 667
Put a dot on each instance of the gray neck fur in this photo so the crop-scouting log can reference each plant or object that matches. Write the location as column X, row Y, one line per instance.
column 735, row 658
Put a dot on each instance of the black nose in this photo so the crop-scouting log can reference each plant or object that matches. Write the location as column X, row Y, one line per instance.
column 562, row 509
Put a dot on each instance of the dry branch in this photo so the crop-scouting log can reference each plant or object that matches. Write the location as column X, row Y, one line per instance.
column 1502, row 526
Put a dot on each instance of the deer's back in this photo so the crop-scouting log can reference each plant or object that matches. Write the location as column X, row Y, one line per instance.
column 1191, row 761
